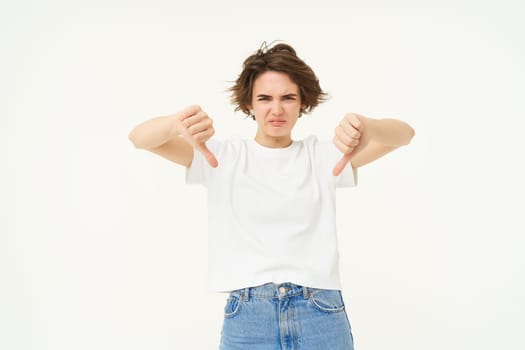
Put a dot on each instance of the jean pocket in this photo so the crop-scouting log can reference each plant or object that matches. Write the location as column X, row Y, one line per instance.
column 327, row 300
column 233, row 306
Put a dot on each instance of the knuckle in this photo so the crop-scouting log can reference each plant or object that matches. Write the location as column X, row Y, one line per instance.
column 198, row 138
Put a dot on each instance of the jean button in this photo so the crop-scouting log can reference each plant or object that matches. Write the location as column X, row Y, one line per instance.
column 282, row 290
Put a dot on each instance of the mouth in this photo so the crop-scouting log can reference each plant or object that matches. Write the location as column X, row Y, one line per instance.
column 276, row 122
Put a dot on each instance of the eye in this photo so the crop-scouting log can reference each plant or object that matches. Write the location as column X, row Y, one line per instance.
column 289, row 97
column 263, row 98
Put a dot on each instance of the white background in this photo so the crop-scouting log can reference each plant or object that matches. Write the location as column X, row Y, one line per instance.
column 103, row 246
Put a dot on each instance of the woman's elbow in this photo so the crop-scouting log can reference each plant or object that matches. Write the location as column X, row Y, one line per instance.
column 410, row 134
column 133, row 137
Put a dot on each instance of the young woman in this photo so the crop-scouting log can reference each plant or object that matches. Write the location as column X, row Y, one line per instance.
column 271, row 202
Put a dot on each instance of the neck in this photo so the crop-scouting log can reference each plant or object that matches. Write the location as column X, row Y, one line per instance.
column 273, row 142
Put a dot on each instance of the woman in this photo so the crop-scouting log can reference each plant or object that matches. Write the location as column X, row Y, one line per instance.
column 271, row 201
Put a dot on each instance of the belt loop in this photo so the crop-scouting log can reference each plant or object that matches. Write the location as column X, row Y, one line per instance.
column 245, row 294
column 306, row 292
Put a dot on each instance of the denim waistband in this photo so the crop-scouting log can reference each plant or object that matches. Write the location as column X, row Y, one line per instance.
column 273, row 291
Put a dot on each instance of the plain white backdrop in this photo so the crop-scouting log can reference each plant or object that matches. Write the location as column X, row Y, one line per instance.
column 103, row 246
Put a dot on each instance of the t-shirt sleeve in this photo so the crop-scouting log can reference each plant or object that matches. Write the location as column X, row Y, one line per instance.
column 199, row 171
column 330, row 156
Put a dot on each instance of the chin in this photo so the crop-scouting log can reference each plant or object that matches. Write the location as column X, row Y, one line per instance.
column 280, row 133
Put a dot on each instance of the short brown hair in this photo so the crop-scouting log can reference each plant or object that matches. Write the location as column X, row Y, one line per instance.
column 280, row 58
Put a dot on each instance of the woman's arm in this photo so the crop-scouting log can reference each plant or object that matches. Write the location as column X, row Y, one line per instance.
column 363, row 140
column 174, row 137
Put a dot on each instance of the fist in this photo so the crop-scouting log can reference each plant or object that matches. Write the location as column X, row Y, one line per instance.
column 347, row 138
column 196, row 127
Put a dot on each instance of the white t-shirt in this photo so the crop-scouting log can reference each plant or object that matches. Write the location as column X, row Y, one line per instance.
column 271, row 213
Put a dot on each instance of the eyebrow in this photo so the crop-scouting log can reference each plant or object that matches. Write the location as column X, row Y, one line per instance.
column 286, row 95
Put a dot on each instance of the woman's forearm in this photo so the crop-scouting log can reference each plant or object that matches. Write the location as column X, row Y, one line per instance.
column 390, row 132
column 154, row 132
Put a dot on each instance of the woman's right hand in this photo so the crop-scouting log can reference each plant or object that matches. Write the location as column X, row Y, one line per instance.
column 196, row 127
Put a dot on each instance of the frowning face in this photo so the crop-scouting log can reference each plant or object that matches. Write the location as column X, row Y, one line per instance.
column 276, row 105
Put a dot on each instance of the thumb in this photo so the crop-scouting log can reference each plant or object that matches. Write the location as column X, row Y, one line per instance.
column 341, row 164
column 210, row 158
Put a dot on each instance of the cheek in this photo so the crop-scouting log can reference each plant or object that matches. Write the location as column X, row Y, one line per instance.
column 260, row 109
column 259, row 119
column 291, row 109
column 294, row 106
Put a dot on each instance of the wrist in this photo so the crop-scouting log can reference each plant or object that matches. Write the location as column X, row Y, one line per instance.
column 371, row 127
column 175, row 126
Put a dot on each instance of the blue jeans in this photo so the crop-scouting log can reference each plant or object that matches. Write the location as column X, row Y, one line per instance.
column 285, row 316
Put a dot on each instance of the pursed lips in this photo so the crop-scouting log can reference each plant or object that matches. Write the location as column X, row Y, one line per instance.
column 276, row 122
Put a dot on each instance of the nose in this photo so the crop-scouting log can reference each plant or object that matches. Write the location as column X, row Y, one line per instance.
column 277, row 107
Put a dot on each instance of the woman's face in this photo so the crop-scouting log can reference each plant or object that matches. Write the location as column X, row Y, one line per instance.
column 276, row 105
